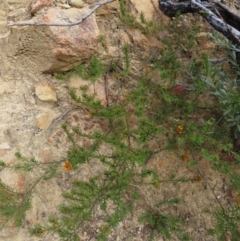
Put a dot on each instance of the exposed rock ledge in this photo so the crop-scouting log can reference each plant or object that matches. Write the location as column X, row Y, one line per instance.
column 57, row 49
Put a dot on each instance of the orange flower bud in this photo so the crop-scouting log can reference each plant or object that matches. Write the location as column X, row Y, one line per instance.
column 185, row 158
column 198, row 178
column 90, row 114
column 179, row 129
column 67, row 165
column 161, row 47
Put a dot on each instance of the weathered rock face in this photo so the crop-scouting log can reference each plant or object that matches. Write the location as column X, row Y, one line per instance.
column 53, row 48
column 150, row 10
column 76, row 3
column 36, row 5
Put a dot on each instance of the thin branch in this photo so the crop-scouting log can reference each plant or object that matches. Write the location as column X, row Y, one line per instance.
column 233, row 13
column 204, row 8
column 31, row 23
column 57, row 119
column 217, row 23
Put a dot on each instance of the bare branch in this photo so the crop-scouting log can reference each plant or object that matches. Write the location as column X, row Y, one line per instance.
column 57, row 119
column 233, row 13
column 207, row 10
column 31, row 23
column 220, row 25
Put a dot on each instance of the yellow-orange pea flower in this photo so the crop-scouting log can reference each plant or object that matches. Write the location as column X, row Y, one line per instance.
column 179, row 129
column 161, row 47
column 198, row 178
column 185, row 158
column 67, row 165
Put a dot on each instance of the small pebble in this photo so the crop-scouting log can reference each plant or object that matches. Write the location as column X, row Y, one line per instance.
column 76, row 3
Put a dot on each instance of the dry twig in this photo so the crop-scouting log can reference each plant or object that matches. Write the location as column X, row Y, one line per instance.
column 57, row 119
column 31, row 23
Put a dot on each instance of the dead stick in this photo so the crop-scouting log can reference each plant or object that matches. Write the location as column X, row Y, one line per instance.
column 31, row 23
column 57, row 119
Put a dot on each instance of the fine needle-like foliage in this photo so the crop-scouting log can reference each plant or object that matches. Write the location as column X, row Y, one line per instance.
column 13, row 206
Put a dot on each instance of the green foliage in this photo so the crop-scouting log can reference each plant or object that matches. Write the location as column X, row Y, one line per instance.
column 13, row 205
column 126, row 60
column 93, row 70
column 226, row 89
column 27, row 164
column 112, row 186
column 124, row 165
column 227, row 224
column 164, row 224
column 159, row 112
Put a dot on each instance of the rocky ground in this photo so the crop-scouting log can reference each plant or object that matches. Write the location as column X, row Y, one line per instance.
column 29, row 103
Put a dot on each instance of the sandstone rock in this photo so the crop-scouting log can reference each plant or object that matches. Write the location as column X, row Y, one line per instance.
column 75, row 82
column 143, row 41
column 5, row 146
column 16, row 12
column 53, row 48
column 44, row 121
column 108, row 8
column 13, row 179
column 76, row 3
column 2, row 90
column 3, row 152
column 66, row 6
column 35, row 5
column 145, row 7
column 2, row 13
column 45, row 92
column 125, row 38
column 3, row 25
column 14, row 1
column 46, row 155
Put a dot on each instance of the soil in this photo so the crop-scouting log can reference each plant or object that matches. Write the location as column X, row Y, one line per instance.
column 20, row 132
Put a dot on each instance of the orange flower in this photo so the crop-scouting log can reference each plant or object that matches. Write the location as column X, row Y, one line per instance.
column 161, row 47
column 179, row 129
column 198, row 178
column 67, row 165
column 185, row 158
